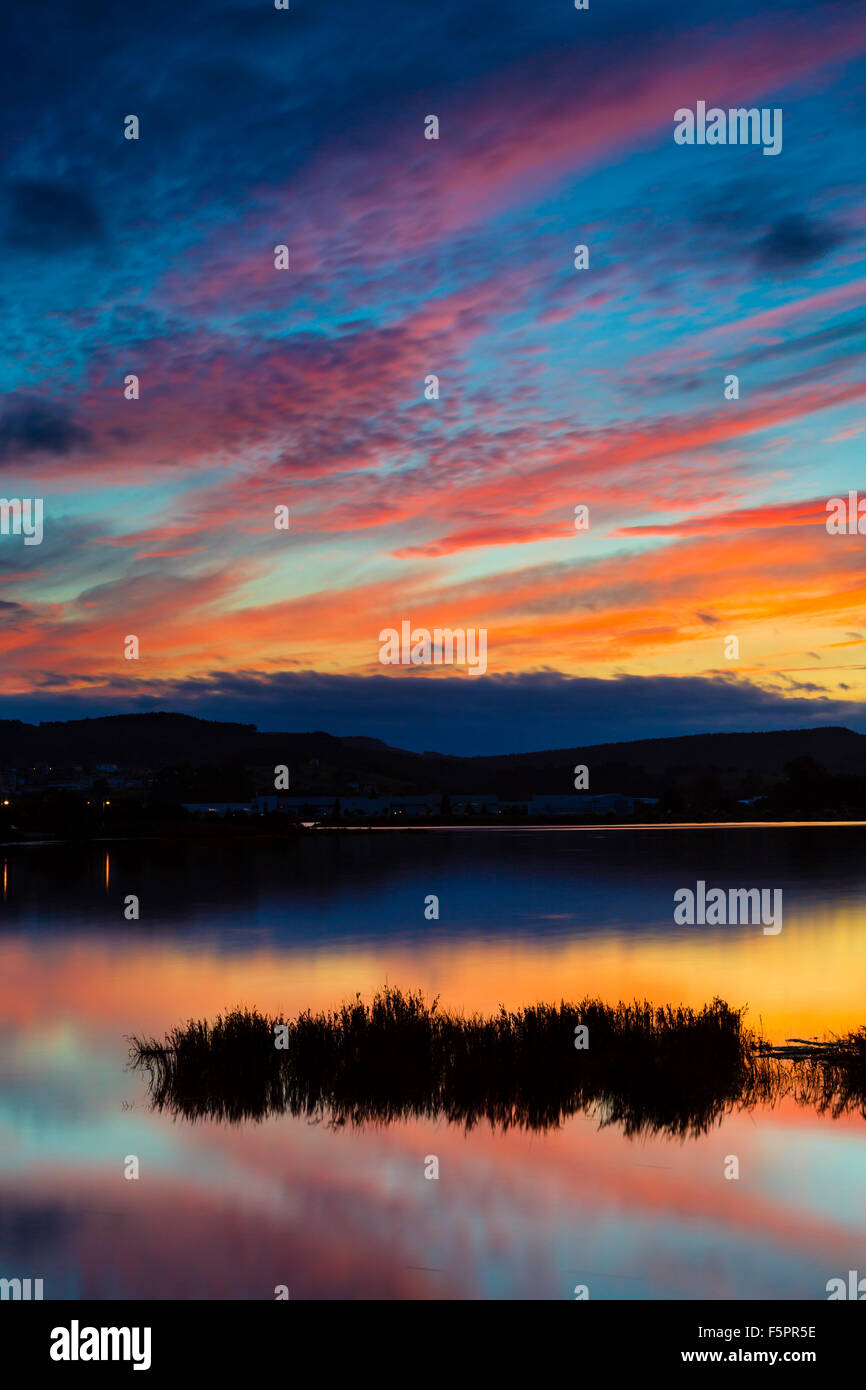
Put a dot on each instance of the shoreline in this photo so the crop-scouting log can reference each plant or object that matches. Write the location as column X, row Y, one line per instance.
column 218, row 833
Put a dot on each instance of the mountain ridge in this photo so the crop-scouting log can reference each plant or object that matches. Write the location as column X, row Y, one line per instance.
column 163, row 740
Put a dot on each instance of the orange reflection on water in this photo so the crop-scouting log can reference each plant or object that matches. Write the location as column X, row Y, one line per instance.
column 808, row 980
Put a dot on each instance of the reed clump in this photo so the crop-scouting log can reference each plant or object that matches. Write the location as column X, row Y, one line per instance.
column 646, row 1068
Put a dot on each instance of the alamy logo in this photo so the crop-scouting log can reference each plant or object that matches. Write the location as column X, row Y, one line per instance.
column 22, row 516
column 739, row 125
column 737, row 907
column 22, row 1289
column 846, row 517
column 856, row 1287
column 76, row 1343
column 441, row 647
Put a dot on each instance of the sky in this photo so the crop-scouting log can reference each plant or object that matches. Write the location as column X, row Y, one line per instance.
column 559, row 387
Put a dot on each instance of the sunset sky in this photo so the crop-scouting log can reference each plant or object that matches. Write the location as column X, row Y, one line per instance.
column 409, row 257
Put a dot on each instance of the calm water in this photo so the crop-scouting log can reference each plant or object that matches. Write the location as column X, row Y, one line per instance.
column 231, row 1211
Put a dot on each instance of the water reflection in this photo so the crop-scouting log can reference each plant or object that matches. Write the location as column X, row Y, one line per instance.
column 228, row 1210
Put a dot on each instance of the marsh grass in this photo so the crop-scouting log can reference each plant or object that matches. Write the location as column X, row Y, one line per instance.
column 828, row 1076
column 647, row 1069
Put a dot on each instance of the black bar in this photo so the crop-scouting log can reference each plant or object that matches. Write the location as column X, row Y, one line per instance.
column 246, row 1338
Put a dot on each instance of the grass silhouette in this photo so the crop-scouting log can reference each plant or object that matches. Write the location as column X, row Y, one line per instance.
column 648, row 1069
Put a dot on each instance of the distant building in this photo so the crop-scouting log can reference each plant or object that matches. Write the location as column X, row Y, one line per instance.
column 317, row 807
column 364, row 807
column 414, row 807
column 475, row 804
column 587, row 804
column 312, row 807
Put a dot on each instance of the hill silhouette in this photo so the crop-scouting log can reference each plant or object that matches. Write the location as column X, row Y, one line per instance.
column 241, row 757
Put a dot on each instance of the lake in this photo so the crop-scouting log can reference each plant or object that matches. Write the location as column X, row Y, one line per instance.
column 231, row 1211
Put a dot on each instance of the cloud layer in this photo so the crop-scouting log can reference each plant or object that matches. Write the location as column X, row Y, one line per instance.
column 411, row 257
